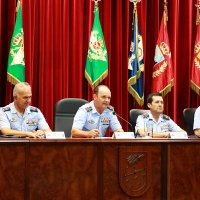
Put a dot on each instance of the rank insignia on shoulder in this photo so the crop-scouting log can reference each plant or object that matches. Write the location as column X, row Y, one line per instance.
column 91, row 121
column 145, row 115
column 166, row 117
column 5, row 109
column 110, row 108
column 33, row 109
column 88, row 109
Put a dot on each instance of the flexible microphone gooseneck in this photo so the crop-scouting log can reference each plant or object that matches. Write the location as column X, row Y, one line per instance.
column 114, row 113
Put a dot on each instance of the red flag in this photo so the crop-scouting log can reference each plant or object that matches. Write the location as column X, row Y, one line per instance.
column 195, row 74
column 163, row 78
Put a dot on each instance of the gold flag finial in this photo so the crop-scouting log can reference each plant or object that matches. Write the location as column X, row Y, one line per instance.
column 135, row 4
column 96, row 1
column 198, row 13
column 135, row 1
column 165, row 12
column 18, row 4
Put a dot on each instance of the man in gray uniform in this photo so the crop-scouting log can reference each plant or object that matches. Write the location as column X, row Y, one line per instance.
column 19, row 118
column 161, row 124
column 93, row 119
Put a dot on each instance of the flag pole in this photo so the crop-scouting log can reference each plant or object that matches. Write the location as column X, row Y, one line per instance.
column 198, row 12
column 165, row 22
column 96, row 69
column 197, row 23
column 135, row 11
column 165, row 12
column 136, row 61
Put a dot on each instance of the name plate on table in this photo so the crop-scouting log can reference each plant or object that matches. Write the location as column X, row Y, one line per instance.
column 55, row 135
column 178, row 135
column 123, row 135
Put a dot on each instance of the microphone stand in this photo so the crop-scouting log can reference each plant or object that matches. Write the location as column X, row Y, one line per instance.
column 114, row 113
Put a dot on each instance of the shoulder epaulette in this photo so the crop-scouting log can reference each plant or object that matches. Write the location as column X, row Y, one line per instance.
column 5, row 109
column 166, row 117
column 110, row 108
column 145, row 115
column 33, row 109
column 88, row 109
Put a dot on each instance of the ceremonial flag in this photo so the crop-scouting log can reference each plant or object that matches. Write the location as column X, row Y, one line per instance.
column 195, row 74
column 97, row 59
column 136, row 63
column 163, row 79
column 16, row 63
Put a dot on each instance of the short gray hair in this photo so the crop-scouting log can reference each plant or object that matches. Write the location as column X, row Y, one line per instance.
column 19, row 86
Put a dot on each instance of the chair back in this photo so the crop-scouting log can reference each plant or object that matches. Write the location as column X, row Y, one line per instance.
column 188, row 120
column 64, row 112
column 134, row 113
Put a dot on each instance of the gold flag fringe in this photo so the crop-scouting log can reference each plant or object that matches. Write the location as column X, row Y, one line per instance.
column 167, row 89
column 139, row 99
column 12, row 79
column 194, row 87
column 99, row 80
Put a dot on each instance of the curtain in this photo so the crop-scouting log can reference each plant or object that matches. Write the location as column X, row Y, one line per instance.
column 56, row 38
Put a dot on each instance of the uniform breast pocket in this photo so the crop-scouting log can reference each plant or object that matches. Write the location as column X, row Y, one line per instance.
column 90, row 125
column 31, row 128
column 15, row 125
column 105, row 124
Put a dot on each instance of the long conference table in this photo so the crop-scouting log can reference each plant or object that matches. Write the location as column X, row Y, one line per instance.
column 99, row 169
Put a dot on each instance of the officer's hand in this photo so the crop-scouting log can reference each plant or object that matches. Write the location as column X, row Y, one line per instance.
column 94, row 133
column 32, row 134
column 40, row 134
column 36, row 134
column 166, row 134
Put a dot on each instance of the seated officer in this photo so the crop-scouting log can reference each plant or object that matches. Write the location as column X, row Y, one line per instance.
column 19, row 118
column 162, row 124
column 196, row 124
column 93, row 119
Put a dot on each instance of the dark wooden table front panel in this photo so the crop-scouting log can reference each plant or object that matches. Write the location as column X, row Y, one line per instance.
column 13, row 174
column 115, row 169
column 184, row 171
column 63, row 171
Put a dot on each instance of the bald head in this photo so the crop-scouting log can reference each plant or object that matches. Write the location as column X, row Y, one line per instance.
column 101, row 87
column 19, row 87
column 102, row 96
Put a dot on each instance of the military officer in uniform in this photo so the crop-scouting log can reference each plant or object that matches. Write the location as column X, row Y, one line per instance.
column 162, row 125
column 93, row 119
column 196, row 124
column 19, row 118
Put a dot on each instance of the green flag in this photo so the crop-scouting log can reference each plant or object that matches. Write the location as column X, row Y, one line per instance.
column 97, row 59
column 16, row 63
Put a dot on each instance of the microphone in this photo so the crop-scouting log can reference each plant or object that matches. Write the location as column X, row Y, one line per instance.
column 114, row 113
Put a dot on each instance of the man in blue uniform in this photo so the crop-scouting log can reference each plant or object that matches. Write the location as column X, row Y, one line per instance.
column 19, row 118
column 196, row 125
column 161, row 124
column 93, row 119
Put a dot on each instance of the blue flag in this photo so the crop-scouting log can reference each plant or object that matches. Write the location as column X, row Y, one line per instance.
column 136, row 64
